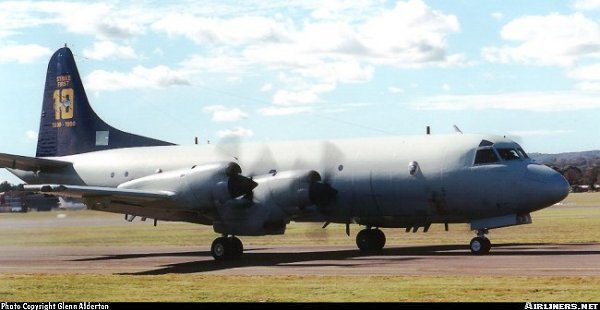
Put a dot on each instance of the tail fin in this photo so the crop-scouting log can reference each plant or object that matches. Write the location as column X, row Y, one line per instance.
column 68, row 124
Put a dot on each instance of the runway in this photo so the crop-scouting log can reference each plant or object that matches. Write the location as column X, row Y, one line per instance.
column 504, row 260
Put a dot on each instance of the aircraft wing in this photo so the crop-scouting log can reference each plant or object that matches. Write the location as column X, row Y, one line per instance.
column 130, row 196
column 29, row 163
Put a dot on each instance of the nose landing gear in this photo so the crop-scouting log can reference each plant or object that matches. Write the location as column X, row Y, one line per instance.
column 480, row 245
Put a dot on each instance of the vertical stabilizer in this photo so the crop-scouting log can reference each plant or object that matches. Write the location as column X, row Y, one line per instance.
column 68, row 125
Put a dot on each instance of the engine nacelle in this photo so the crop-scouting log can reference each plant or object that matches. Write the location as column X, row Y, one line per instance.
column 199, row 187
column 293, row 190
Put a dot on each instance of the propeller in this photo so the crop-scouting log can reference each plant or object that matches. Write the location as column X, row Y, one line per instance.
column 237, row 184
column 321, row 191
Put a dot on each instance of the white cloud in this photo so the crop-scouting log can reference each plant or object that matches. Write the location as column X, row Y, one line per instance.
column 409, row 34
column 591, row 72
column 278, row 111
column 307, row 95
column 525, row 101
column 586, row 4
column 588, row 86
column 497, row 15
column 445, row 87
column 539, row 132
column 99, row 19
column 139, row 77
column 395, row 90
column 233, row 31
column 223, row 114
column 266, row 87
column 219, row 63
column 31, row 135
column 329, row 49
column 235, row 132
column 553, row 39
column 27, row 53
column 108, row 49
column 349, row 71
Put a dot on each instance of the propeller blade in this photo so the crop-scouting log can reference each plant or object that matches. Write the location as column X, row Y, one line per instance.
column 229, row 148
column 331, row 157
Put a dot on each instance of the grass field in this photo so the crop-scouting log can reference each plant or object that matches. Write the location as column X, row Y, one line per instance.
column 575, row 220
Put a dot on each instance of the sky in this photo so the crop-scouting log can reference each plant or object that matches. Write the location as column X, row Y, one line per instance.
column 292, row 70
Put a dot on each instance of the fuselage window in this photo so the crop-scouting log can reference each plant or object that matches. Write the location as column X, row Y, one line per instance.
column 509, row 154
column 485, row 156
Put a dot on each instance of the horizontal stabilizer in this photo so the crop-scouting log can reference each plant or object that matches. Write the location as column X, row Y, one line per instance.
column 29, row 163
column 77, row 191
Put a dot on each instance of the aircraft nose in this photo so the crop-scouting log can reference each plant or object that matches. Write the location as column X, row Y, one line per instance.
column 545, row 186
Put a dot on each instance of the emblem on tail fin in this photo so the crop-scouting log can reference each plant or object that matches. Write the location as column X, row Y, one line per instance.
column 64, row 101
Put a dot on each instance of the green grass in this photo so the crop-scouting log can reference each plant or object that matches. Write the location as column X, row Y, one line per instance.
column 576, row 220
column 295, row 288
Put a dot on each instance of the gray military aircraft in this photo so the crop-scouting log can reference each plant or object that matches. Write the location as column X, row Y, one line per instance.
column 258, row 189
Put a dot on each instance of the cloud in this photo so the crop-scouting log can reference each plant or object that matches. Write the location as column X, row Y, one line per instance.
column 31, row 135
column 223, row 114
column 555, row 39
column 539, row 132
column 524, row 101
column 445, row 87
column 588, row 86
column 108, row 49
column 590, row 72
column 212, row 64
column 328, row 49
column 395, row 90
column 233, row 31
column 99, row 19
column 266, row 87
column 306, row 95
column 497, row 15
column 586, row 4
column 279, row 111
column 349, row 71
column 139, row 77
column 27, row 53
column 235, row 132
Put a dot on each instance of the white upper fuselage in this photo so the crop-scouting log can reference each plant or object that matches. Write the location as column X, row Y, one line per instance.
column 371, row 175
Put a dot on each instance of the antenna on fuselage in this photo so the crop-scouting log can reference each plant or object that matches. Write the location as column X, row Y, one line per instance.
column 457, row 129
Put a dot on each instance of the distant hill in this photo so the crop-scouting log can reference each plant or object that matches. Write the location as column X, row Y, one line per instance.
column 577, row 159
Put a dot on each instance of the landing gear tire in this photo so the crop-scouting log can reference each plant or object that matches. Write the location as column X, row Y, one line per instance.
column 370, row 240
column 220, row 249
column 237, row 248
column 480, row 245
column 379, row 237
column 226, row 248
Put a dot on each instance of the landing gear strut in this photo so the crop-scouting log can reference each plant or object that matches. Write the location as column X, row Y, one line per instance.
column 227, row 248
column 480, row 245
column 370, row 240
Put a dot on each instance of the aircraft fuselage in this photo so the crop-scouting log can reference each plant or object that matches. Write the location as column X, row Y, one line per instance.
column 382, row 182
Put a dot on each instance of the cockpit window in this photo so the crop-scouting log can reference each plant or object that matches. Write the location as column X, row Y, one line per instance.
column 509, row 154
column 522, row 153
column 485, row 156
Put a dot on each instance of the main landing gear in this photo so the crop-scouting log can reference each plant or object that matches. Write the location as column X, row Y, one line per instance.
column 370, row 240
column 227, row 248
column 480, row 245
